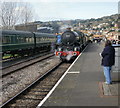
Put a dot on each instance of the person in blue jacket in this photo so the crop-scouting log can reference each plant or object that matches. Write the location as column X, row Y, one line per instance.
column 108, row 60
column 58, row 38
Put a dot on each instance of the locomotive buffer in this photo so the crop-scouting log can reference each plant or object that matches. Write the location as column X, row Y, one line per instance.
column 83, row 84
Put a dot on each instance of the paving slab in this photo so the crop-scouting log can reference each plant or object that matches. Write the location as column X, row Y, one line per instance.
column 111, row 89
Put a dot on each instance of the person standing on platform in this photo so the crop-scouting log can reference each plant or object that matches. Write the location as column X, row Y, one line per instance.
column 108, row 60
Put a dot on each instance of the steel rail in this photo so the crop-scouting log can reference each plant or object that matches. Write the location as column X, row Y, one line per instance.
column 28, row 59
column 32, row 84
column 18, row 67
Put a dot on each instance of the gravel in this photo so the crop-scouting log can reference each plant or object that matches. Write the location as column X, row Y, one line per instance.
column 17, row 81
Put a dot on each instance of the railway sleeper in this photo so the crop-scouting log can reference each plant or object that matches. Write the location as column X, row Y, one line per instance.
column 43, row 86
column 40, row 88
column 23, row 103
column 37, row 93
column 31, row 97
column 46, row 90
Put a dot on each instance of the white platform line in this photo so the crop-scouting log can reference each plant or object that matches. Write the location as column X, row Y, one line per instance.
column 48, row 95
column 74, row 72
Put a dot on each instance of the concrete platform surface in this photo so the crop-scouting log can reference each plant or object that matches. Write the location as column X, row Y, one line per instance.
column 83, row 84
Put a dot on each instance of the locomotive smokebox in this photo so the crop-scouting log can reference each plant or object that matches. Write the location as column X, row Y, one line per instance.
column 68, row 38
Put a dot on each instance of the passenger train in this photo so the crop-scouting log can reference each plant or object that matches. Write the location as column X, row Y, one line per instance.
column 71, row 45
column 23, row 42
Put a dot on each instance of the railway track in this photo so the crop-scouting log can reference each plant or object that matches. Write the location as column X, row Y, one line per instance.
column 35, row 92
column 20, row 79
column 13, row 61
column 22, row 57
column 22, row 64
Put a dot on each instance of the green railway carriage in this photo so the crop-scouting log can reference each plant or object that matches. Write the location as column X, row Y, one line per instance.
column 22, row 42
column 43, row 41
column 16, row 42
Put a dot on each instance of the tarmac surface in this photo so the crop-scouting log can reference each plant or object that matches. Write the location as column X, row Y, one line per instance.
column 84, row 84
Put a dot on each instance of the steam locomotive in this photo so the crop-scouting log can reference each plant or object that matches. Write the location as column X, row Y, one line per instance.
column 71, row 45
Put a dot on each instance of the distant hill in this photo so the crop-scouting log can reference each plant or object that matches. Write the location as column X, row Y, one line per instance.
column 105, row 22
column 111, row 20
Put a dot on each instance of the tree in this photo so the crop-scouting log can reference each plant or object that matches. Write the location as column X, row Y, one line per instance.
column 13, row 13
column 9, row 16
column 26, row 13
column 0, row 17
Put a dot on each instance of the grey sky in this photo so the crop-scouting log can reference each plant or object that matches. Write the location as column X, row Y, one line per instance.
column 46, row 11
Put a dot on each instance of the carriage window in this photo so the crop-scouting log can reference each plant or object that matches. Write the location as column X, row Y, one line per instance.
column 20, row 39
column 27, row 39
column 6, row 40
column 42, row 39
column 31, row 40
column 38, row 39
column 47, row 39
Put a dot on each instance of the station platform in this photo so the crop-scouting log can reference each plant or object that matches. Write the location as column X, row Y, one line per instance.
column 83, row 84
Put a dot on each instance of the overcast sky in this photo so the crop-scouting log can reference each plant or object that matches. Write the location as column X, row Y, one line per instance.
column 47, row 10
column 73, row 10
